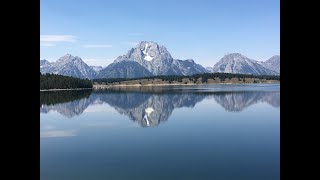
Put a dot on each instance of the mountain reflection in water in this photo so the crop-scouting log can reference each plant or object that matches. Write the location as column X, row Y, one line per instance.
column 150, row 107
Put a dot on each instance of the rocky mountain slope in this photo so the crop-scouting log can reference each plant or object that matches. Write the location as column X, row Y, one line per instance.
column 96, row 68
column 68, row 65
column 158, row 61
column 273, row 63
column 124, row 69
column 240, row 64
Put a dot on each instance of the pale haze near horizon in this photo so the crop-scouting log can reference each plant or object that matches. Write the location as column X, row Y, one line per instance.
column 100, row 31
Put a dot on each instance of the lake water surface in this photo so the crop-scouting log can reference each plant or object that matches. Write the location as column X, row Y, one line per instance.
column 180, row 132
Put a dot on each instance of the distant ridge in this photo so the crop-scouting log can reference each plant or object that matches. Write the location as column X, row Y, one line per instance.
column 239, row 64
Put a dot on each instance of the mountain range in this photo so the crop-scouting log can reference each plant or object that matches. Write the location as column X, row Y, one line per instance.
column 150, row 59
column 96, row 68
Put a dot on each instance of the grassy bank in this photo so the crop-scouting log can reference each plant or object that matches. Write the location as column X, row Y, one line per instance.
column 183, row 82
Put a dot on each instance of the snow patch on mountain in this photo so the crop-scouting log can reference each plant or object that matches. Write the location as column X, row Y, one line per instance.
column 158, row 60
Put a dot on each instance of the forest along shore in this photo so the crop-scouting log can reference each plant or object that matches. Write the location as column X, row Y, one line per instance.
column 183, row 82
column 55, row 82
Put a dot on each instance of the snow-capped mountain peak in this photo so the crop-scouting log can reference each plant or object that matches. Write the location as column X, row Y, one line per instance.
column 157, row 59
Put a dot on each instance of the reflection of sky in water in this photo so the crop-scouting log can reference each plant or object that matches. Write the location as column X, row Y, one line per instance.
column 57, row 133
column 224, row 136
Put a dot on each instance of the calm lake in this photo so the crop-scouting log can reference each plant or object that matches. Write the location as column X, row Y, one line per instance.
column 224, row 132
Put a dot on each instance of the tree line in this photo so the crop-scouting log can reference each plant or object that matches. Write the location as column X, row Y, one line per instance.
column 204, row 77
column 55, row 81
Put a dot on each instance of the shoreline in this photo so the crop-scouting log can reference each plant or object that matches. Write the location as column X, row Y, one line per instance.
column 144, row 85
column 155, row 85
column 66, row 89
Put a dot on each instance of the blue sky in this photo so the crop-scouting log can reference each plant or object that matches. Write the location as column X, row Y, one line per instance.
column 98, row 31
